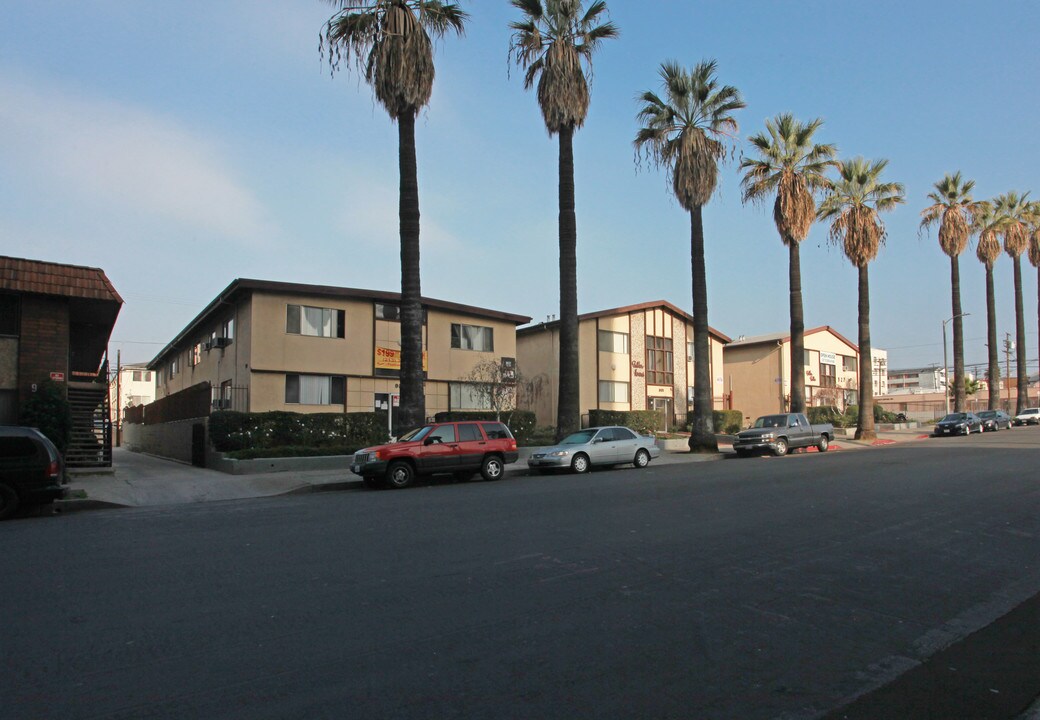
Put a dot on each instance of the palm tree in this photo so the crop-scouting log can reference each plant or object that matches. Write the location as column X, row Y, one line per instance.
column 1034, row 253
column 952, row 208
column 853, row 204
column 686, row 132
column 554, row 44
column 389, row 41
column 987, row 224
column 791, row 166
column 1015, row 212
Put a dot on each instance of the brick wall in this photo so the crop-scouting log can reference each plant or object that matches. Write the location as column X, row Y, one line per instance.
column 43, row 342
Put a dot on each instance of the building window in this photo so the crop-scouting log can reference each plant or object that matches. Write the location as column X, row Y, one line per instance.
column 828, row 376
column 314, row 321
column 174, row 367
column 9, row 314
column 613, row 391
column 142, row 376
column 849, row 363
column 658, row 360
column 196, row 355
column 228, row 329
column 472, row 337
column 466, row 396
column 689, row 352
column 613, row 342
column 807, row 357
column 387, row 312
column 315, row 389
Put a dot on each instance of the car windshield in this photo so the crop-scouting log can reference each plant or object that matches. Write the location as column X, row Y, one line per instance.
column 954, row 417
column 417, row 434
column 579, row 438
column 771, row 421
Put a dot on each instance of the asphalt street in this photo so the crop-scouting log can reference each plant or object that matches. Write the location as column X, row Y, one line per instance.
column 760, row 588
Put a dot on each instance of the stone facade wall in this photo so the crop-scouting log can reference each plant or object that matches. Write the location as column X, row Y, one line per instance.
column 637, row 349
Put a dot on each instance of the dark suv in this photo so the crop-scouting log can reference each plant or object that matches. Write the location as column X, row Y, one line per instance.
column 31, row 470
column 458, row 448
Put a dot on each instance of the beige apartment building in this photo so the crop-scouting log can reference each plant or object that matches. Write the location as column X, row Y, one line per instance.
column 266, row 345
column 758, row 371
column 638, row 357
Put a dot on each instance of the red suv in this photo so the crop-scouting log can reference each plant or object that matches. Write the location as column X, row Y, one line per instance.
column 458, row 448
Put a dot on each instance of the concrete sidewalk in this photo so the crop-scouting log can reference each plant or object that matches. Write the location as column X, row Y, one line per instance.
column 137, row 480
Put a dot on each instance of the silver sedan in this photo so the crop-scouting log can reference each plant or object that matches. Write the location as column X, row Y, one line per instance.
column 579, row 451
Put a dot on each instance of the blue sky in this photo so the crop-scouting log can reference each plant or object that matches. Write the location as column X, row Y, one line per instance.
column 181, row 145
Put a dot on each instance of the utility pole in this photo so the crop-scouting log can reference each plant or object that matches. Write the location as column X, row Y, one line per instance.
column 119, row 394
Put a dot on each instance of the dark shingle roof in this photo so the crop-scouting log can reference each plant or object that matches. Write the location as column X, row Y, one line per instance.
column 49, row 278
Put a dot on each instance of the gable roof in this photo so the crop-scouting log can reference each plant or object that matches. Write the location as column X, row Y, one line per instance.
column 786, row 337
column 246, row 286
column 625, row 310
column 39, row 277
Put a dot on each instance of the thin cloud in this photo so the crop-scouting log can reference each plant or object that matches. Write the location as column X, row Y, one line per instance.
column 132, row 160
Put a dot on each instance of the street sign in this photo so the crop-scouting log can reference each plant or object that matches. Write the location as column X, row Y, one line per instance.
column 58, row 376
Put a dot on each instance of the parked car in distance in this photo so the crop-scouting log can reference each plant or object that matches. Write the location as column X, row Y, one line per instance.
column 782, row 432
column 579, row 451
column 1028, row 416
column 958, row 424
column 458, row 448
column 31, row 470
column 993, row 420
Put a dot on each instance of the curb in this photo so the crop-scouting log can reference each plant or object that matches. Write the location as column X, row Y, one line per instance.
column 64, row 506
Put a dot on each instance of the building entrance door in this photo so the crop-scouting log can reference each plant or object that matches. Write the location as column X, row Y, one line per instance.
column 663, row 406
column 388, row 403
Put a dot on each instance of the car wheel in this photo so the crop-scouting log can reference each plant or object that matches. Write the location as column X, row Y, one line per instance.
column 492, row 468
column 400, row 474
column 580, row 463
column 642, row 459
column 780, row 448
column 8, row 501
column 823, row 444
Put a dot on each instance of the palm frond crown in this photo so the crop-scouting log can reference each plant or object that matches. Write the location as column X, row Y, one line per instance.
column 1015, row 211
column 853, row 205
column 389, row 42
column 793, row 167
column 987, row 224
column 687, row 130
column 953, row 210
column 554, row 44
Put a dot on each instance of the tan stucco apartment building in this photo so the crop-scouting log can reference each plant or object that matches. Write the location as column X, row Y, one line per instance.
column 638, row 357
column 758, row 371
column 266, row 345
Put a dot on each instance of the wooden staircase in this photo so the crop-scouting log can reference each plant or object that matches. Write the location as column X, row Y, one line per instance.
column 91, row 443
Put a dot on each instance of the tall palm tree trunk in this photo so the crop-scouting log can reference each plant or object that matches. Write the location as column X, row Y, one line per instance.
column 702, row 435
column 1022, row 400
column 993, row 376
column 412, row 412
column 958, row 337
column 568, row 413
column 865, row 429
column 797, row 328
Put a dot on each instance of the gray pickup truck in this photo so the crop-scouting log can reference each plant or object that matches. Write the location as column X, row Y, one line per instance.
column 783, row 432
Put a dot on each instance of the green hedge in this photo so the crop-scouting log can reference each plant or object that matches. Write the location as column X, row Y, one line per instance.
column 728, row 422
column 520, row 422
column 230, row 431
column 48, row 411
column 642, row 421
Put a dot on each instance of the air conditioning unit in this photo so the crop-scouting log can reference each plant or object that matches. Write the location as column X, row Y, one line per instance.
column 221, row 342
column 222, row 404
column 207, row 346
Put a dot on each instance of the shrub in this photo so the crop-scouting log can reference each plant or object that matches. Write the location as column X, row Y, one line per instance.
column 825, row 414
column 48, row 411
column 231, row 431
column 520, row 422
column 642, row 421
column 727, row 422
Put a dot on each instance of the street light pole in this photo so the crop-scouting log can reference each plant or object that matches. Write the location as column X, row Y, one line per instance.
column 946, row 371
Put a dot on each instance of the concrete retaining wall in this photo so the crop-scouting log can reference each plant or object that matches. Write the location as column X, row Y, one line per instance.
column 170, row 440
column 217, row 461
